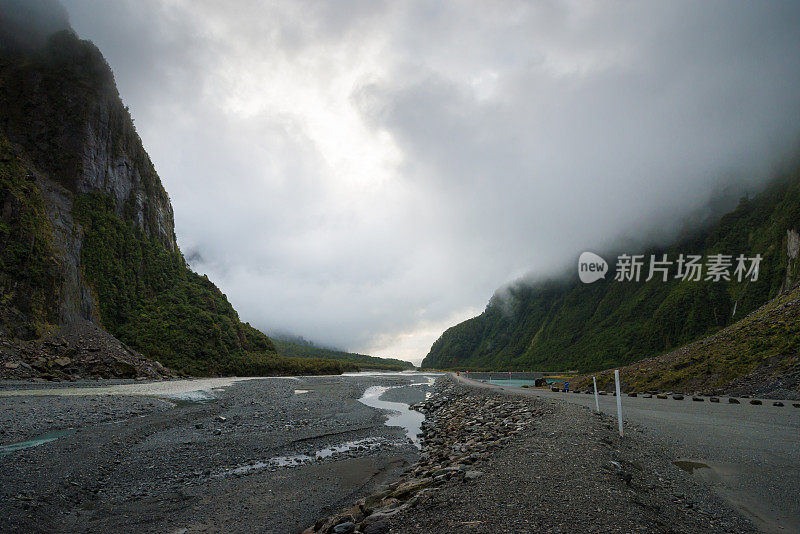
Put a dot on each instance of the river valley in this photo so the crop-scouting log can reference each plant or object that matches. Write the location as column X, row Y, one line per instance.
column 214, row 455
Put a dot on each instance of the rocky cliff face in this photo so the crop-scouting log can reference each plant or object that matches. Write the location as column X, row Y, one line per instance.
column 92, row 282
column 60, row 109
column 65, row 132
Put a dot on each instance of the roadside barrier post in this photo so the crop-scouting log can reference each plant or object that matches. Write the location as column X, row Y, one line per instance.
column 619, row 401
column 596, row 401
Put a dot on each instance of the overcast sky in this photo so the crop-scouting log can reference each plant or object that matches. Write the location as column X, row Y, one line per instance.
column 367, row 173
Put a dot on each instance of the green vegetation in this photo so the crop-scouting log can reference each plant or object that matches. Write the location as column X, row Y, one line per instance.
column 302, row 350
column 766, row 342
column 152, row 301
column 28, row 269
column 564, row 324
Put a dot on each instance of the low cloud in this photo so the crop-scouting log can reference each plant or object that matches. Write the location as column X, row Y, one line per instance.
column 367, row 173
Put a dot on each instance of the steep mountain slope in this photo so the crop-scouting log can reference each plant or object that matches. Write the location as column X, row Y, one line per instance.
column 564, row 324
column 91, row 277
column 758, row 355
column 299, row 349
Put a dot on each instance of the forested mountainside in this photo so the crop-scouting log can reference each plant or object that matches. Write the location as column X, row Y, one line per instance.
column 92, row 282
column 757, row 355
column 300, row 349
column 563, row 324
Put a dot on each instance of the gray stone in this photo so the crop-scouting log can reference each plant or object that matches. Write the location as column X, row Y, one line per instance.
column 379, row 527
column 472, row 475
column 344, row 528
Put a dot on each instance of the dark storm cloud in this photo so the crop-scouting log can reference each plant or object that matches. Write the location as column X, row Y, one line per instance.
column 366, row 173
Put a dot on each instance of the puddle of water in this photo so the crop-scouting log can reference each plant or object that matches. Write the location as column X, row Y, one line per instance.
column 382, row 373
column 400, row 415
column 35, row 442
column 510, row 382
column 297, row 460
column 690, row 466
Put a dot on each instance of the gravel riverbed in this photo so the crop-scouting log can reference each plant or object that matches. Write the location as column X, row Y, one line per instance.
column 258, row 456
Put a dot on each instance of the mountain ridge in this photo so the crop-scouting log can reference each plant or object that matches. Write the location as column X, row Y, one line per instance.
column 561, row 323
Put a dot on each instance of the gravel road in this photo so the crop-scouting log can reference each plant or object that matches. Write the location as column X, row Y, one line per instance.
column 212, row 463
column 749, row 453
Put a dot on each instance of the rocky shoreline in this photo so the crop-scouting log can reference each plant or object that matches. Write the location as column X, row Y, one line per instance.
column 494, row 463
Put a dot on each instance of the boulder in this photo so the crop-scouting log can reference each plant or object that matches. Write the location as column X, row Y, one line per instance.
column 379, row 527
column 713, row 399
column 677, row 396
column 733, row 400
column 344, row 528
column 62, row 361
column 472, row 475
column 698, row 399
column 374, row 500
column 410, row 487
column 376, row 519
column 122, row 369
column 777, row 403
column 756, row 402
column 355, row 513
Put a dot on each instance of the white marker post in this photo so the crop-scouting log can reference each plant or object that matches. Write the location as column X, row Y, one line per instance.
column 596, row 401
column 619, row 401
